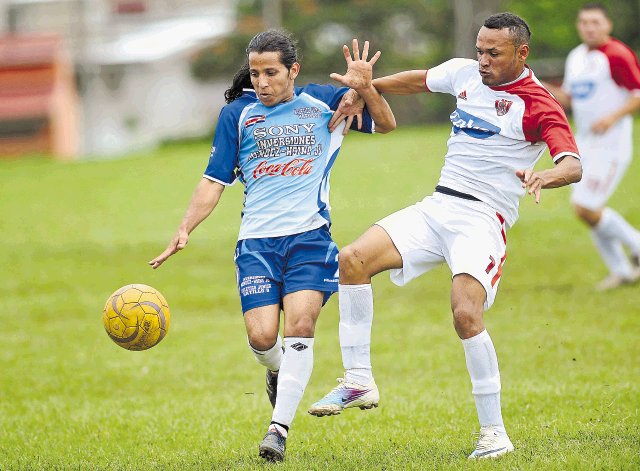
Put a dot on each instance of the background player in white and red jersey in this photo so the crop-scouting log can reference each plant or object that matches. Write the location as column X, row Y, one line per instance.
column 602, row 85
column 503, row 122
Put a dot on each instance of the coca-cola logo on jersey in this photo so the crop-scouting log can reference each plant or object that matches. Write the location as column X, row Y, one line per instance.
column 293, row 168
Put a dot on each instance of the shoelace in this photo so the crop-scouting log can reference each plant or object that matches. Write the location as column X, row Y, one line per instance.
column 486, row 438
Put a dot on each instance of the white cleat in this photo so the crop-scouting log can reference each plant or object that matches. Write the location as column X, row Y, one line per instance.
column 491, row 443
column 346, row 395
column 616, row 281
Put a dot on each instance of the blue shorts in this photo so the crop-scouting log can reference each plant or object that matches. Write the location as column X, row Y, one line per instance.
column 269, row 268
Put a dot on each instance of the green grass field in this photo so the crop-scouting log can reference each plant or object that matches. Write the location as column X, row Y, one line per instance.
column 71, row 399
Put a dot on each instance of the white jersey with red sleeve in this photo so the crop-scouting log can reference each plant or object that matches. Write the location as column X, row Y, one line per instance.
column 600, row 81
column 496, row 131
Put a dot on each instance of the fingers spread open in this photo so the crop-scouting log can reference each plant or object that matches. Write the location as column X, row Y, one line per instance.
column 347, row 125
column 337, row 77
column 375, row 58
column 347, row 53
column 356, row 50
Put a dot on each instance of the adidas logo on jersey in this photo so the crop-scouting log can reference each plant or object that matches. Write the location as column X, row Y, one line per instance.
column 299, row 346
column 463, row 95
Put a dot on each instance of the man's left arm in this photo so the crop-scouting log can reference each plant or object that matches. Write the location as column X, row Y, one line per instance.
column 566, row 171
column 631, row 106
column 545, row 121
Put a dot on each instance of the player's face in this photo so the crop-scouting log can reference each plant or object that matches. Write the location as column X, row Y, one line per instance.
column 593, row 27
column 271, row 79
column 499, row 61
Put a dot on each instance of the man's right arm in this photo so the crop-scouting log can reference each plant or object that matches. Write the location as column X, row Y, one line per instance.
column 205, row 198
column 403, row 83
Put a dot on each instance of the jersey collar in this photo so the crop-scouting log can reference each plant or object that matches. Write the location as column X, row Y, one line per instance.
column 526, row 73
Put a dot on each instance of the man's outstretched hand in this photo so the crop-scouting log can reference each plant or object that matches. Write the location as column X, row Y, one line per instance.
column 359, row 70
column 178, row 243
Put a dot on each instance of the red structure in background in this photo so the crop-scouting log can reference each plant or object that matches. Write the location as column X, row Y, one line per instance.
column 38, row 98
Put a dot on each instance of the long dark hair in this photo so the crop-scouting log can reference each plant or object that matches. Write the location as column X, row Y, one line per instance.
column 267, row 41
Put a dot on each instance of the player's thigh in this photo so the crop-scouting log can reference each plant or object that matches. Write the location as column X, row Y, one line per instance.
column 467, row 295
column 477, row 246
column 312, row 263
column 259, row 270
column 301, row 311
column 373, row 250
column 262, row 324
column 413, row 234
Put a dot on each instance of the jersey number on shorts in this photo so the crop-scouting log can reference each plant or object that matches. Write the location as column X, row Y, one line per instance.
column 491, row 266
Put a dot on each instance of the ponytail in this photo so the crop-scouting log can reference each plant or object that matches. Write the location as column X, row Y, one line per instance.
column 241, row 80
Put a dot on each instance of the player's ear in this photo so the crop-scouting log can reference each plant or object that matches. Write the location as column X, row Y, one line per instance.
column 609, row 26
column 294, row 70
column 523, row 52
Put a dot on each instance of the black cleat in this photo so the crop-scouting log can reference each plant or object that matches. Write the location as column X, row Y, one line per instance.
column 273, row 446
column 272, row 386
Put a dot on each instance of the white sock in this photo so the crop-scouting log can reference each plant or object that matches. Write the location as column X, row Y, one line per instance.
column 295, row 371
column 269, row 358
column 615, row 226
column 482, row 364
column 356, row 316
column 611, row 252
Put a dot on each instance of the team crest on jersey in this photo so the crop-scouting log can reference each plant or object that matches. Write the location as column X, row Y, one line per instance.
column 463, row 95
column 502, row 106
column 257, row 118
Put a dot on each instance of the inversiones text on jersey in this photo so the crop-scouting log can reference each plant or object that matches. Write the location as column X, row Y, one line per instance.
column 283, row 155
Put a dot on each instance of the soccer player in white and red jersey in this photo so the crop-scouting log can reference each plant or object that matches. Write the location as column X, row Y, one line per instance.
column 602, row 85
column 503, row 122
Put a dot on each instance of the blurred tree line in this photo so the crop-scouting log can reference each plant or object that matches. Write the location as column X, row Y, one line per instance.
column 411, row 34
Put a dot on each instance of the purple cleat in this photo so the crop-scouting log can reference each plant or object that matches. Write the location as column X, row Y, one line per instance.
column 346, row 395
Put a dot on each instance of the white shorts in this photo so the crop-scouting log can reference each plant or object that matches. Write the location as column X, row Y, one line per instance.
column 469, row 236
column 604, row 163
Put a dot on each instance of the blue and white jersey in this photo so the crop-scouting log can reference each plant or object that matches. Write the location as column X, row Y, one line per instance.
column 283, row 155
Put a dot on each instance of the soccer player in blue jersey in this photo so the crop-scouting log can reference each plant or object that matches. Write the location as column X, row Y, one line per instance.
column 274, row 138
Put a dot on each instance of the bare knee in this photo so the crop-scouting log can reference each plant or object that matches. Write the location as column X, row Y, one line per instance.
column 467, row 320
column 588, row 216
column 467, row 304
column 302, row 326
column 261, row 341
column 353, row 267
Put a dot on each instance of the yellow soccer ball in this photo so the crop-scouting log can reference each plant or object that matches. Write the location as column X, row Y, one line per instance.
column 136, row 317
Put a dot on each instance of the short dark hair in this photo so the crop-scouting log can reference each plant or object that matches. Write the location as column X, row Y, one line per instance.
column 595, row 6
column 518, row 28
